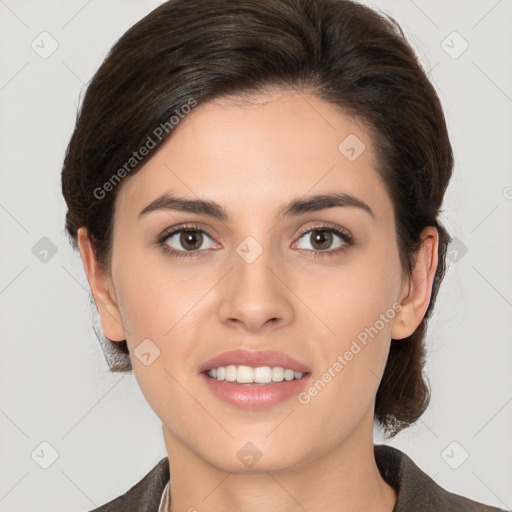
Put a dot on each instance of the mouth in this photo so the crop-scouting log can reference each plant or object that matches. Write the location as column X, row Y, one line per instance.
column 260, row 375
column 254, row 395
column 251, row 360
column 254, row 380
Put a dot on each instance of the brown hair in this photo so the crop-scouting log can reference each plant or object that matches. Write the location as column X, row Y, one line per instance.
column 345, row 53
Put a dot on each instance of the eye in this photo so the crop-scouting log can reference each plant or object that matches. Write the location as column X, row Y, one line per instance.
column 321, row 239
column 189, row 241
column 185, row 241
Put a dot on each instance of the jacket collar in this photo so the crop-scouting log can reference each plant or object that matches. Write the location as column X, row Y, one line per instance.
column 415, row 489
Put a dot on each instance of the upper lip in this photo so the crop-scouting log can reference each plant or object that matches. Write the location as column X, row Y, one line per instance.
column 254, row 359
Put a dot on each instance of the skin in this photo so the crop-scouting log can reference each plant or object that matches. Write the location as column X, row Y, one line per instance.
column 252, row 157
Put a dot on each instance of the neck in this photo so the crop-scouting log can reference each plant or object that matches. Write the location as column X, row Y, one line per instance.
column 345, row 478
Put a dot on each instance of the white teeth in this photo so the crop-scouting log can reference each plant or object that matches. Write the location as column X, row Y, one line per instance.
column 289, row 374
column 248, row 375
column 262, row 374
column 231, row 373
column 277, row 374
column 244, row 374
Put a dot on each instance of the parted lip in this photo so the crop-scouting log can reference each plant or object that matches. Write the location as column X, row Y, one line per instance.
column 254, row 359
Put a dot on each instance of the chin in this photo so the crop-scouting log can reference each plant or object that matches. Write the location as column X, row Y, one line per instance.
column 249, row 460
column 254, row 455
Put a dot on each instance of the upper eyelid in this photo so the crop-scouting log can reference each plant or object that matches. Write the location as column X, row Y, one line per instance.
column 173, row 231
column 323, row 225
column 326, row 227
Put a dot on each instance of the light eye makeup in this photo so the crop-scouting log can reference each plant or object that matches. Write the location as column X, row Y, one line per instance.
column 326, row 231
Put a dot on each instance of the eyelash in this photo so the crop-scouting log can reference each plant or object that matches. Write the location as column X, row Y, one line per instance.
column 343, row 234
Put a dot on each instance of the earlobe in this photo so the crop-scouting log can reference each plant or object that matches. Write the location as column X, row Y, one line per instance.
column 100, row 284
column 418, row 288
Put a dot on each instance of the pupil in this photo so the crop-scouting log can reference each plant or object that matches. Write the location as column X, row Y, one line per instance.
column 187, row 238
column 321, row 238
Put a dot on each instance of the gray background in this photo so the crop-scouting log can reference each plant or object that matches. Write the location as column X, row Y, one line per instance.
column 55, row 386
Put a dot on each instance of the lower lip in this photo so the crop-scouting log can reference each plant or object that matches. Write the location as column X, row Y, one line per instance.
column 255, row 396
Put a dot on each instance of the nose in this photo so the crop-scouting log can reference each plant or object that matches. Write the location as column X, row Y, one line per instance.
column 255, row 293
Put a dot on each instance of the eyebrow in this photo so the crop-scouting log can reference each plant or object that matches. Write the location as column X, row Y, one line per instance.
column 296, row 207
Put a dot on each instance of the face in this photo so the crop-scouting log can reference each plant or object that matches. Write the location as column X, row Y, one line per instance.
column 319, row 284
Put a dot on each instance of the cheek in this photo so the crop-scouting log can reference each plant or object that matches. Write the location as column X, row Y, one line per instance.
column 160, row 309
column 152, row 297
column 356, row 308
column 352, row 360
column 354, row 296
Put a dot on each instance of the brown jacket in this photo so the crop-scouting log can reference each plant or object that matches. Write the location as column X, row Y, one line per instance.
column 417, row 492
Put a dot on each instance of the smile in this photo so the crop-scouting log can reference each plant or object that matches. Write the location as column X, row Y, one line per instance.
column 242, row 374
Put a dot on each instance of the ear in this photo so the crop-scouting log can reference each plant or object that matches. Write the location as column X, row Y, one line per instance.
column 102, row 289
column 417, row 290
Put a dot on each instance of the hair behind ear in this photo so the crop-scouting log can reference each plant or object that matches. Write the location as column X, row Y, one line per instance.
column 404, row 392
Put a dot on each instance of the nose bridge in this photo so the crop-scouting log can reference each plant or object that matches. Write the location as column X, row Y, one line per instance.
column 255, row 294
column 253, row 262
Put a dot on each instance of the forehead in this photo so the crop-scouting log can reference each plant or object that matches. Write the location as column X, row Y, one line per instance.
column 258, row 152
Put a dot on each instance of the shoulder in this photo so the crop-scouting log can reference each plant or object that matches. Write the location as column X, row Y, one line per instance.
column 145, row 495
column 416, row 490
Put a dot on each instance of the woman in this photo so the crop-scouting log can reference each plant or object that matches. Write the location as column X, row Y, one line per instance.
column 254, row 188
